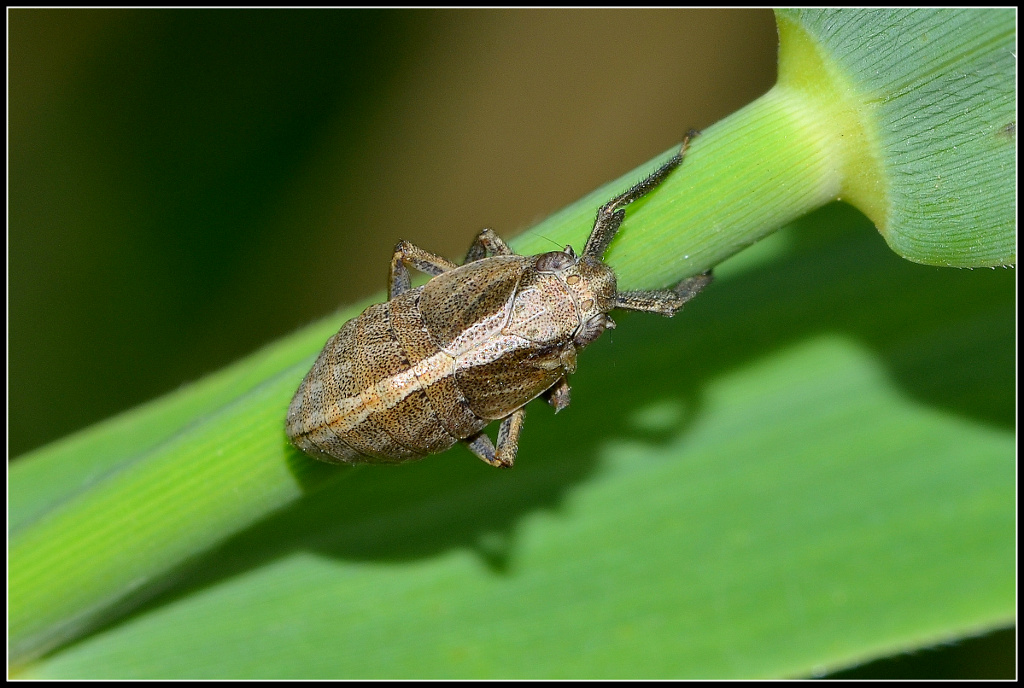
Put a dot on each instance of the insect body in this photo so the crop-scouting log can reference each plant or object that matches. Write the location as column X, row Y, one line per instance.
column 435, row 365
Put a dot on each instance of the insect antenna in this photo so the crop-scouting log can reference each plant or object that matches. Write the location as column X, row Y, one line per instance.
column 557, row 245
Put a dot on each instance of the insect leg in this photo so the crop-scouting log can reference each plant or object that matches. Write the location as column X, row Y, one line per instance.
column 558, row 396
column 409, row 254
column 610, row 215
column 486, row 241
column 667, row 301
column 592, row 329
column 508, row 442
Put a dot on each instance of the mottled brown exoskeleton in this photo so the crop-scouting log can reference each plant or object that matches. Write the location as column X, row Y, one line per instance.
column 434, row 365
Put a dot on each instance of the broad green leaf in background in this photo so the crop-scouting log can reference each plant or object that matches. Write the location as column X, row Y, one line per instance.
column 794, row 488
column 811, row 466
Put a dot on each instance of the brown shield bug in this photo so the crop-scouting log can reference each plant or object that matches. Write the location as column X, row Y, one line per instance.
column 434, row 365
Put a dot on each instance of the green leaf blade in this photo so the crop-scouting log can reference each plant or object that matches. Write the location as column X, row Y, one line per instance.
column 789, row 492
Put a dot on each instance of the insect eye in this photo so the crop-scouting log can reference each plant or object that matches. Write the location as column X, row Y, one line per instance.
column 554, row 261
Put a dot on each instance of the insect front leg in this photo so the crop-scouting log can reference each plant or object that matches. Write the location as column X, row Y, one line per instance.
column 610, row 215
column 486, row 241
column 592, row 329
column 666, row 302
column 407, row 254
column 508, row 442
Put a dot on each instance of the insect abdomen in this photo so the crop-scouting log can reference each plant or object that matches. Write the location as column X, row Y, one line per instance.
column 381, row 391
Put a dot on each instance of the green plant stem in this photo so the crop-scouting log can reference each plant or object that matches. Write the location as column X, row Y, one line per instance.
column 47, row 476
column 744, row 177
column 150, row 516
column 212, row 459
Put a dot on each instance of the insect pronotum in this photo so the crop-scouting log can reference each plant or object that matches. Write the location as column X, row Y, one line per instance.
column 435, row 365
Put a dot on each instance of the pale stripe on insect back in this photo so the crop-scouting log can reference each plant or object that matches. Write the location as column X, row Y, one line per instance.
column 349, row 412
column 434, row 365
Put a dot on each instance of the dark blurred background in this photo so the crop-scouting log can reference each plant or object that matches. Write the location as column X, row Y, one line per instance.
column 188, row 185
